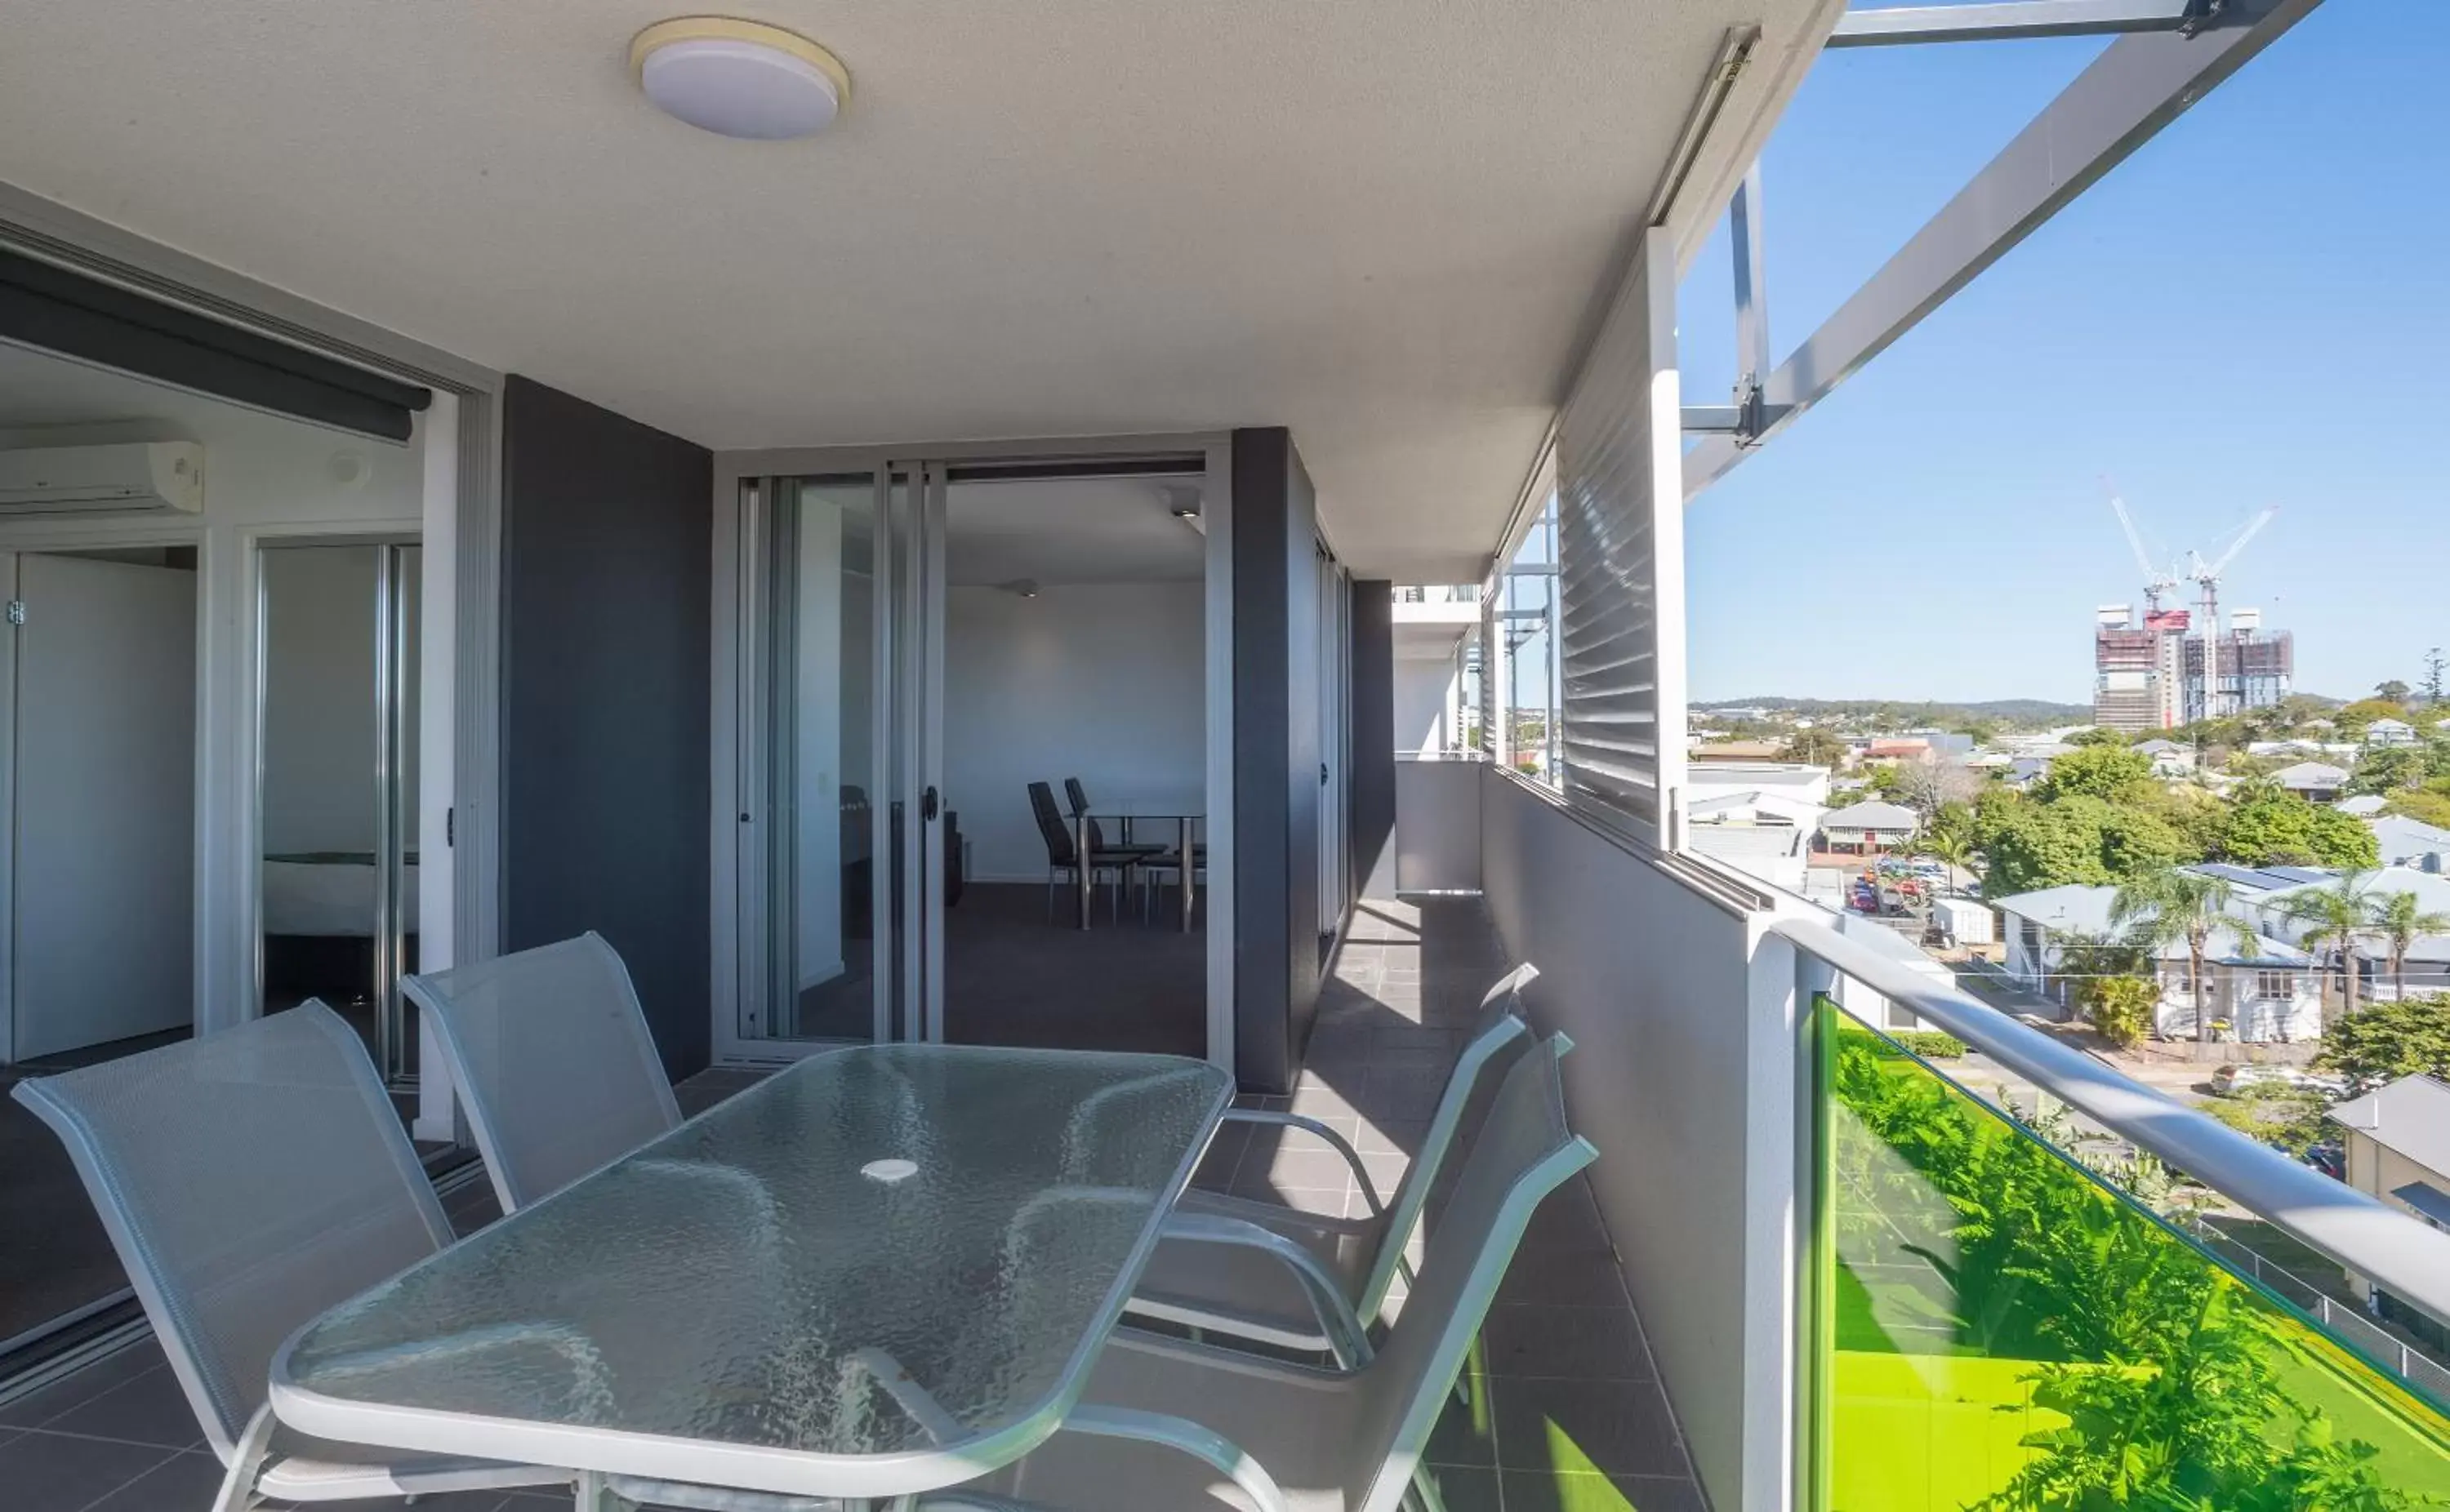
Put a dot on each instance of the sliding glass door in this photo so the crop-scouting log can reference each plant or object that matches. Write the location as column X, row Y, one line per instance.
column 837, row 766
column 336, row 907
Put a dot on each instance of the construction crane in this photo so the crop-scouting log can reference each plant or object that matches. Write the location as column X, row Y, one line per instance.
column 2156, row 581
column 2206, row 577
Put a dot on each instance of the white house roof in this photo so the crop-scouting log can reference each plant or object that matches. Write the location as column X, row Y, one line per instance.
column 2080, row 909
column 2410, row 1118
column 2156, row 747
column 2390, row 725
column 2364, row 805
column 2401, row 837
column 1872, row 815
column 2310, row 774
column 2432, row 895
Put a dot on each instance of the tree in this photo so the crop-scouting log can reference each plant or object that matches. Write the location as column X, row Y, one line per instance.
column 1926, row 786
column 2026, row 845
column 2398, row 922
column 2434, row 662
column 2364, row 711
column 2428, row 804
column 2387, row 769
column 1817, row 747
column 2289, row 1118
column 2167, row 906
column 2097, row 736
column 2096, row 771
column 2270, row 828
column 2333, row 918
column 2392, row 691
column 2390, row 1040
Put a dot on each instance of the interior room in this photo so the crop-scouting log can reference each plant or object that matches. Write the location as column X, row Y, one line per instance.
column 1074, row 656
column 1070, row 645
column 165, row 555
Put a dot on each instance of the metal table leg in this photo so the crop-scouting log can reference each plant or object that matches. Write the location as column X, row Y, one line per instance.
column 1184, row 853
column 1083, row 871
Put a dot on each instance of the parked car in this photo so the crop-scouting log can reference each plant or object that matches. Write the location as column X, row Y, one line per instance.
column 2233, row 1078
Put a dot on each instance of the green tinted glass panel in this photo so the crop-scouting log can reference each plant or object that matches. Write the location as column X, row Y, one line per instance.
column 1991, row 1327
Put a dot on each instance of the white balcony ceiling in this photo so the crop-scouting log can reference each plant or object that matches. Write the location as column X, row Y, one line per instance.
column 1380, row 222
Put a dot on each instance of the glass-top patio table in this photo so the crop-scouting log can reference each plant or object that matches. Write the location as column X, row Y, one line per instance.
column 882, row 1271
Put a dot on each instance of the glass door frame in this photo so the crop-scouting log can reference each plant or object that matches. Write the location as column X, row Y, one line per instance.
column 917, row 475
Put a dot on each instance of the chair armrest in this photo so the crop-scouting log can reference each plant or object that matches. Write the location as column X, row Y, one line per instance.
column 1342, row 1145
column 1346, row 1337
column 1220, row 1452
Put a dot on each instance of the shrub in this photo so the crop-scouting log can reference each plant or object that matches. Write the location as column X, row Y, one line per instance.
column 1929, row 1043
column 2119, row 1008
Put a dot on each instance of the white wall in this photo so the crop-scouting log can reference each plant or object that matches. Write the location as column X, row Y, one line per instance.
column 1683, row 1073
column 266, row 478
column 1105, row 683
column 1424, row 695
column 319, row 704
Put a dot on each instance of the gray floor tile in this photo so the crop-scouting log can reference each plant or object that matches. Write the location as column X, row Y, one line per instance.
column 177, row 1485
column 1586, row 1280
column 150, row 1410
column 1463, row 1437
column 1466, row 1491
column 1574, row 1344
column 49, row 1472
column 1290, row 1165
column 1395, row 1136
column 1612, row 1427
column 1541, row 1491
column 95, row 1379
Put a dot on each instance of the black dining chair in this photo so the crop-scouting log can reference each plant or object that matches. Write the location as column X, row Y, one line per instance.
column 1062, row 853
column 1146, row 851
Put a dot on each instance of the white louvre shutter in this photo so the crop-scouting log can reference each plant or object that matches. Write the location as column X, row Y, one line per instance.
column 1621, row 562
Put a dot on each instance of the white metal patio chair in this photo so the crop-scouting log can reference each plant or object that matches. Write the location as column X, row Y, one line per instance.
column 554, row 1061
column 249, row 1181
column 1259, row 1271
column 1294, row 1438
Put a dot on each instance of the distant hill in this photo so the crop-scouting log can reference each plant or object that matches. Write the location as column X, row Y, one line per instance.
column 1896, row 712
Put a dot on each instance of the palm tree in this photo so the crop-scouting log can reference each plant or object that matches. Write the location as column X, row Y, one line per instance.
column 2334, row 917
column 2166, row 907
column 1950, row 848
column 2401, row 922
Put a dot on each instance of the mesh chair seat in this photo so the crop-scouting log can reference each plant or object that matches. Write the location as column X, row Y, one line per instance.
column 1249, row 1294
column 554, row 1061
column 309, row 1469
column 251, row 1180
column 1331, row 1442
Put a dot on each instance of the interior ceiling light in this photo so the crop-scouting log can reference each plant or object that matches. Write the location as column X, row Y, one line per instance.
column 739, row 78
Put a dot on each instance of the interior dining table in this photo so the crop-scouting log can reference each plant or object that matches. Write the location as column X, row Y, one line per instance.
column 882, row 1271
column 1186, row 825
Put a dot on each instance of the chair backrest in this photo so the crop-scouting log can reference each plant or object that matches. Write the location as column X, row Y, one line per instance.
column 1077, row 794
column 1524, row 1152
column 1051, row 826
column 552, row 1059
column 1498, row 1028
column 249, row 1181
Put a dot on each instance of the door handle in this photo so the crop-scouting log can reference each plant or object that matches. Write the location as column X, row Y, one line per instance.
column 928, row 805
column 1322, row 774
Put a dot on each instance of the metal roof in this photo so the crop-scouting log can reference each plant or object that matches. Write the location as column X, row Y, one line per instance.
column 2411, row 1118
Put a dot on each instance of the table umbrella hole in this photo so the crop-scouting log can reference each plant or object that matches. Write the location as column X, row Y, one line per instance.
column 889, row 1170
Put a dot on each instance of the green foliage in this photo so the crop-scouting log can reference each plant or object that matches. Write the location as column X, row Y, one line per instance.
column 2169, row 1372
column 2097, row 736
column 2428, row 804
column 2102, row 771
column 2389, row 1040
column 2392, row 691
column 2289, row 1118
column 2119, row 1008
column 2390, row 767
column 2281, row 829
column 2337, row 918
column 2364, row 711
column 2398, row 921
column 2026, row 845
column 1931, row 1044
column 1817, row 747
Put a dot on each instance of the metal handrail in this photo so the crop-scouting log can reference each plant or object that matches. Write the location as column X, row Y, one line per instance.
column 2407, row 1258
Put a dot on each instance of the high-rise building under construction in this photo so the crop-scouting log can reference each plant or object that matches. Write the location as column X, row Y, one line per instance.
column 2150, row 675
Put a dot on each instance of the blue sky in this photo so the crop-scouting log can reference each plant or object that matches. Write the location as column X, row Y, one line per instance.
column 2253, row 310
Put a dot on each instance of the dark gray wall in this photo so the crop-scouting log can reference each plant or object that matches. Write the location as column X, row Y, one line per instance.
column 606, row 562
column 1275, row 758
column 1374, row 738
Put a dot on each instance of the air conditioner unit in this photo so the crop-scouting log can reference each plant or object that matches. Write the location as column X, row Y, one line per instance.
column 140, row 477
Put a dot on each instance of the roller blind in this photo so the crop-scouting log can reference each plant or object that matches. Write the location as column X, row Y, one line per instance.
column 60, row 311
column 1621, row 562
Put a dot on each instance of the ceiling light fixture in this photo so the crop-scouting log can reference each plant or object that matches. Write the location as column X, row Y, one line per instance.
column 739, row 78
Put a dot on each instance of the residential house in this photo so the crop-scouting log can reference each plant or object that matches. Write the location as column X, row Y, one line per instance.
column 2387, row 732
column 2265, row 989
column 2364, row 805
column 1898, row 749
column 2315, row 782
column 2398, row 1139
column 1870, row 828
column 2170, row 759
column 2428, row 967
column 2406, row 842
column 1734, row 751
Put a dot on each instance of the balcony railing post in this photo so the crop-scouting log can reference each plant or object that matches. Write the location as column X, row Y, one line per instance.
column 1816, row 1305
